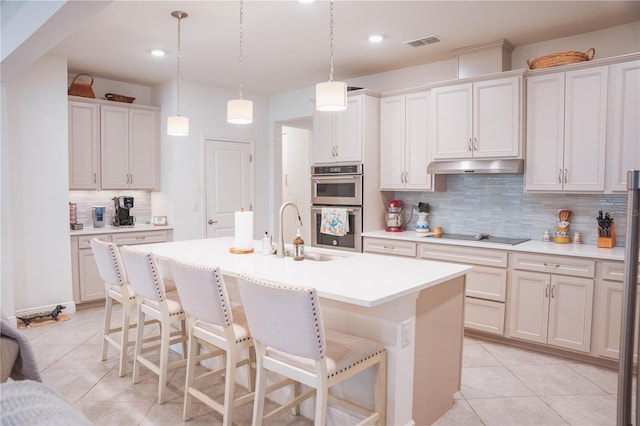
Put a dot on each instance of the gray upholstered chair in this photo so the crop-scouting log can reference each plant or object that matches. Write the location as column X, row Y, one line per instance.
column 216, row 325
column 117, row 289
column 155, row 303
column 290, row 340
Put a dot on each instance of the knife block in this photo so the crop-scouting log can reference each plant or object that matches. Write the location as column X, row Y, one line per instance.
column 608, row 242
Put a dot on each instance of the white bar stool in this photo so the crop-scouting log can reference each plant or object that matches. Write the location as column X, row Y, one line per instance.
column 155, row 303
column 117, row 289
column 216, row 325
column 290, row 340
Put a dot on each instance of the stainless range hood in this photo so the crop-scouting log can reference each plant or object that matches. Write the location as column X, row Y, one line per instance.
column 461, row 167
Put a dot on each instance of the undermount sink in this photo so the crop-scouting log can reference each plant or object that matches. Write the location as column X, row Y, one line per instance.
column 317, row 257
column 321, row 257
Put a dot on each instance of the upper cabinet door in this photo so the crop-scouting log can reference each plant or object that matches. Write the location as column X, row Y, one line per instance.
column 416, row 150
column 392, row 142
column 452, row 121
column 545, row 132
column 114, row 147
column 324, row 136
column 349, row 126
column 144, row 150
column 623, row 123
column 585, row 129
column 496, row 120
column 84, row 145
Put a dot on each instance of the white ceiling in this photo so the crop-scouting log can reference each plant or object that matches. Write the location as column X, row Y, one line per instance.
column 286, row 43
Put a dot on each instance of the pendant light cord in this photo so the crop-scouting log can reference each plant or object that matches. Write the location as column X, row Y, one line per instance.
column 331, row 9
column 241, row 42
column 178, row 71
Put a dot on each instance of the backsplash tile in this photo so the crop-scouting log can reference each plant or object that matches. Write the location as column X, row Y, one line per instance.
column 87, row 199
column 497, row 204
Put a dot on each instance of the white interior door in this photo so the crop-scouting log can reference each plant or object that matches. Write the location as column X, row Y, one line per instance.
column 229, row 173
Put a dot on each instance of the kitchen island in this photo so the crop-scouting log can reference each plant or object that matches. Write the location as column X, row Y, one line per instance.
column 414, row 307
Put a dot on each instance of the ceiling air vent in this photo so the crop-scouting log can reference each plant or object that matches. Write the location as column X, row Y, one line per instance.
column 423, row 41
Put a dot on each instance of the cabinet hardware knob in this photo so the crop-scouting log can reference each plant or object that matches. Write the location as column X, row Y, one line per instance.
column 389, row 247
column 211, row 222
column 551, row 265
column 140, row 238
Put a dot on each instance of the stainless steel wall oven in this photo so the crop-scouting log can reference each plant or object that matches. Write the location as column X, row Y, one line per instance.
column 337, row 187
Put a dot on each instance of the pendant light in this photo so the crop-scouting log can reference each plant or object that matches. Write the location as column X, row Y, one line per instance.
column 240, row 111
column 331, row 95
column 178, row 125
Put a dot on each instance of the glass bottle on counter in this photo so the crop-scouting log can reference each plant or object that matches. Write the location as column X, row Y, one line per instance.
column 298, row 247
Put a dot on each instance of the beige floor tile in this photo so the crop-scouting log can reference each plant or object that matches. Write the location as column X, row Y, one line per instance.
column 477, row 356
column 509, row 355
column 111, row 413
column 119, row 389
column 558, row 379
column 585, row 410
column 460, row 415
column 491, row 382
column 605, row 378
column 87, row 356
column 72, row 383
column 520, row 411
column 47, row 354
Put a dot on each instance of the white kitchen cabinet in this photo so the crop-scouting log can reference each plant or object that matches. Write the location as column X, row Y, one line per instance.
column 566, row 131
column 84, row 145
column 404, row 144
column 608, row 311
column 477, row 120
column 87, row 283
column 623, row 146
column 392, row 247
column 338, row 135
column 486, row 284
column 548, row 307
column 130, row 148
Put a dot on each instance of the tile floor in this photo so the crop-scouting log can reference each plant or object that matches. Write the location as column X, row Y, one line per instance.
column 501, row 385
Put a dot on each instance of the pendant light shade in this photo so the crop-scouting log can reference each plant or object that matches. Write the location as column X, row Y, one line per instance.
column 178, row 125
column 240, row 111
column 331, row 95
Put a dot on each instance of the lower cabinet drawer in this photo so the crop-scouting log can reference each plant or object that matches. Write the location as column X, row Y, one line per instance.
column 484, row 315
column 487, row 283
column 397, row 248
column 145, row 237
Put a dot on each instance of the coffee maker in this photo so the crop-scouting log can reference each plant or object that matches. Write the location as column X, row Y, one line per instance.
column 122, row 216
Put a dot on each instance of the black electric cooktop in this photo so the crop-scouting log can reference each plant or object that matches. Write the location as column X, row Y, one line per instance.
column 485, row 238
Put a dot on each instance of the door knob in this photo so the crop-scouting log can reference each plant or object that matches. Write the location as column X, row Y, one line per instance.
column 211, row 222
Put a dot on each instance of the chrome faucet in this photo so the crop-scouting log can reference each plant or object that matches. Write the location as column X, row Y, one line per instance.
column 281, row 252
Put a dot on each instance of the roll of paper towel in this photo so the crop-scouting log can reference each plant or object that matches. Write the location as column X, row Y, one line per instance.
column 244, row 230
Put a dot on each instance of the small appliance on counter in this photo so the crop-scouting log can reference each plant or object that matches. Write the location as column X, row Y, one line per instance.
column 98, row 214
column 395, row 216
column 122, row 216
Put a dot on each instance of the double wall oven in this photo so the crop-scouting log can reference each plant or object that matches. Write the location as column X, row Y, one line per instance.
column 337, row 187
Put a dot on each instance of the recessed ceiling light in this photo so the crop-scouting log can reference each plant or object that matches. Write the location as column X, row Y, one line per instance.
column 157, row 52
column 376, row 38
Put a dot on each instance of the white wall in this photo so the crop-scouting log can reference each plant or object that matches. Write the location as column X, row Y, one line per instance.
column 36, row 258
column 181, row 198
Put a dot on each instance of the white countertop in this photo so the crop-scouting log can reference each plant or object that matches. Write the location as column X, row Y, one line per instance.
column 357, row 278
column 532, row 246
column 108, row 229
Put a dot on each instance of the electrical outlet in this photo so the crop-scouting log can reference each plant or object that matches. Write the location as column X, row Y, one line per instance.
column 406, row 333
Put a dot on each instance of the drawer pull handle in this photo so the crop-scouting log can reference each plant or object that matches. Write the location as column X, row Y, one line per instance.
column 140, row 238
column 551, row 265
column 552, row 290
column 546, row 290
column 389, row 247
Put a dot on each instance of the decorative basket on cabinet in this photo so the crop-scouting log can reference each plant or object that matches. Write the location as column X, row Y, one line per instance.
column 81, row 89
column 561, row 58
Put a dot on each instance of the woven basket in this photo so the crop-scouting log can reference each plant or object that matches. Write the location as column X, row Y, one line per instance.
column 119, row 98
column 81, row 89
column 561, row 58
